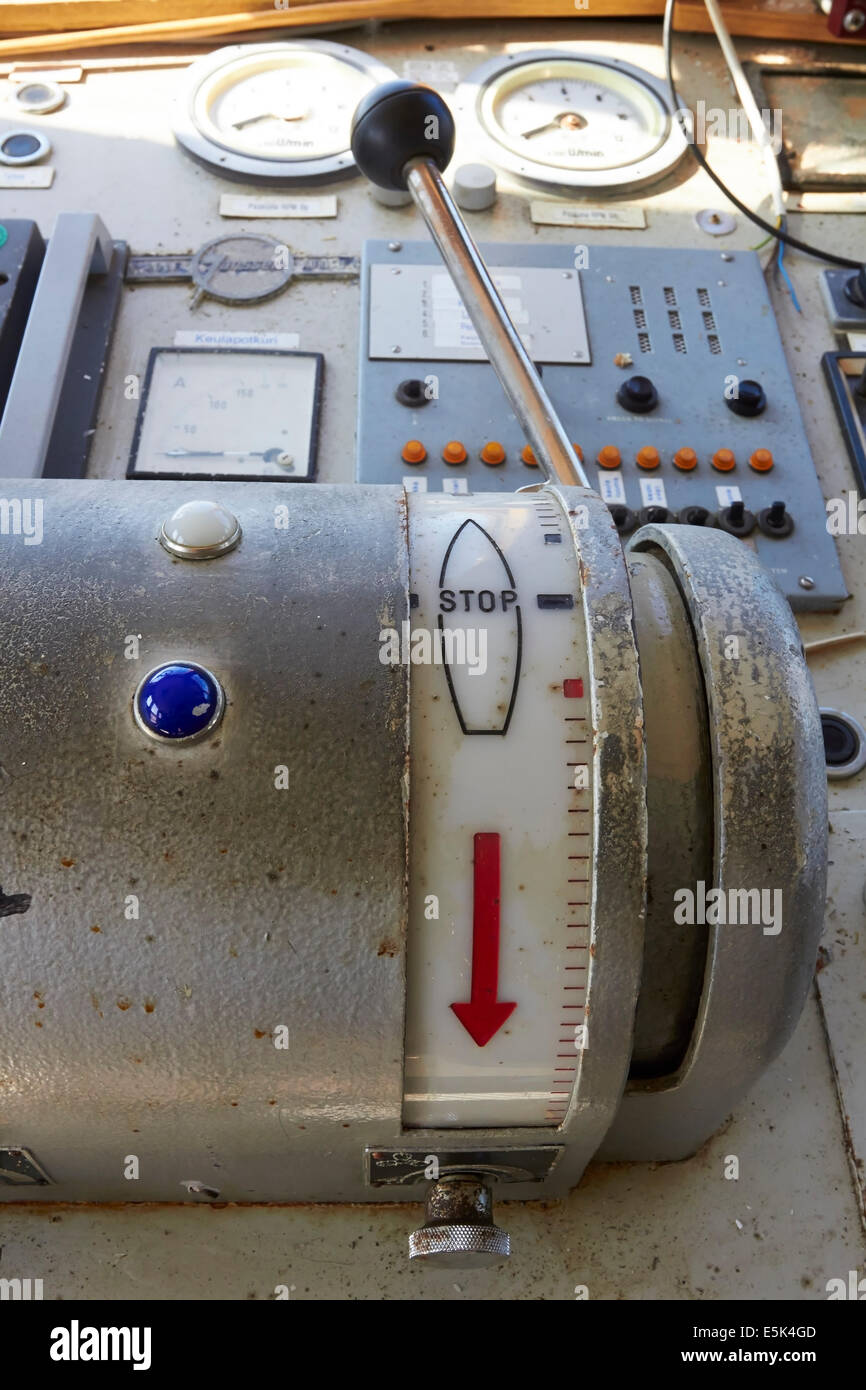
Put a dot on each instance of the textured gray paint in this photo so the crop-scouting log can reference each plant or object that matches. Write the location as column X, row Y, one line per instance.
column 258, row 907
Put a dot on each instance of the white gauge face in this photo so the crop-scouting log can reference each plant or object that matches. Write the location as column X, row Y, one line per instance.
column 228, row 414
column 574, row 121
column 298, row 105
column 571, row 116
column 276, row 112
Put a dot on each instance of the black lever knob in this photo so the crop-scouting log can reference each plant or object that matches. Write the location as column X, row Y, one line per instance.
column 396, row 122
column 855, row 287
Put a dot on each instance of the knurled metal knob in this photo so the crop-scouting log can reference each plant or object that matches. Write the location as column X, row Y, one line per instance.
column 459, row 1231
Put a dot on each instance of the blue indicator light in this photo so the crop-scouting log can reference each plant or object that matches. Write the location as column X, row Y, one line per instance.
column 178, row 701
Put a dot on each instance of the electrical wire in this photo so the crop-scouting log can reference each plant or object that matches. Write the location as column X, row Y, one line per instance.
column 777, row 232
column 749, row 105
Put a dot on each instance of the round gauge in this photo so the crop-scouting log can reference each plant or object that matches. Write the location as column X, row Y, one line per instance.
column 551, row 117
column 276, row 112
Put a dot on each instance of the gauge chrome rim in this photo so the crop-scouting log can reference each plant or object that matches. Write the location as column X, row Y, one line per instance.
column 197, row 133
column 479, row 95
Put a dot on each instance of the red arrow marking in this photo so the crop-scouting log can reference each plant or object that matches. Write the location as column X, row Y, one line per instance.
column 484, row 1015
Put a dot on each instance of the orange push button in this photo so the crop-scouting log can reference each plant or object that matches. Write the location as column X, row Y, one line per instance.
column 528, row 457
column 761, row 460
column 647, row 457
column 685, row 459
column 492, row 453
column 413, row 451
column 578, row 451
column 724, row 460
column 454, row 452
column 609, row 456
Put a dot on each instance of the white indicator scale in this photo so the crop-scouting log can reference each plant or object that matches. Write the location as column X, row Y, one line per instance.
column 502, row 815
column 228, row 414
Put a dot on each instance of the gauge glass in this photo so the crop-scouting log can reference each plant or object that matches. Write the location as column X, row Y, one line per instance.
column 297, row 104
column 278, row 112
column 575, row 115
column 228, row 414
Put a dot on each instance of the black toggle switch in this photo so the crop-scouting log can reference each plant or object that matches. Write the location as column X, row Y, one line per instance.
column 750, row 399
column 776, row 521
column 659, row 515
column 638, row 395
column 736, row 520
column 624, row 518
column 696, row 516
column 412, row 393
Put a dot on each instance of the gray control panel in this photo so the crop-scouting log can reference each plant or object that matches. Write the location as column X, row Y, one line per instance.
column 667, row 370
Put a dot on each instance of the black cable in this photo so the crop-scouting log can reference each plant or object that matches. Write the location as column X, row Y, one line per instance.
column 668, row 38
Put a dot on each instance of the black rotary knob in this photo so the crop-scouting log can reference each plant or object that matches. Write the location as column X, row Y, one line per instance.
column 396, row 122
column 638, row 395
column 750, row 399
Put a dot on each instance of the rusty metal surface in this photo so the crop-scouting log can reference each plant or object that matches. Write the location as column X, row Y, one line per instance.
column 823, row 109
column 679, row 813
column 770, row 836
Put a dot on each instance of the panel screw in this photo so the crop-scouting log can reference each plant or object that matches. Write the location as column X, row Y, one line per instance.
column 395, row 246
column 853, row 21
column 806, row 582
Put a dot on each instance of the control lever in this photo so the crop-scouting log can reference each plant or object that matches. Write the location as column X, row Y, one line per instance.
column 403, row 138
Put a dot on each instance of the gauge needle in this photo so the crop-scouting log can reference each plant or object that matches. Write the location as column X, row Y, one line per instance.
column 212, row 454
column 566, row 120
column 269, row 116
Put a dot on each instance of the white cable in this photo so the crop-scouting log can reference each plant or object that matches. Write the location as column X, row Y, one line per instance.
column 750, row 106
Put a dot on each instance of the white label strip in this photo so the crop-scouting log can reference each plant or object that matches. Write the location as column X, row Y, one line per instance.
column 452, row 326
column 611, row 486
column 576, row 215
column 727, row 495
column 434, row 72
column 203, row 337
column 413, row 483
column 26, row 177
column 19, row 77
column 455, row 486
column 652, row 490
column 239, row 205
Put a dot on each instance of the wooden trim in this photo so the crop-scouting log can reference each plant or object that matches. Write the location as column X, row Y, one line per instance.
column 191, row 20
